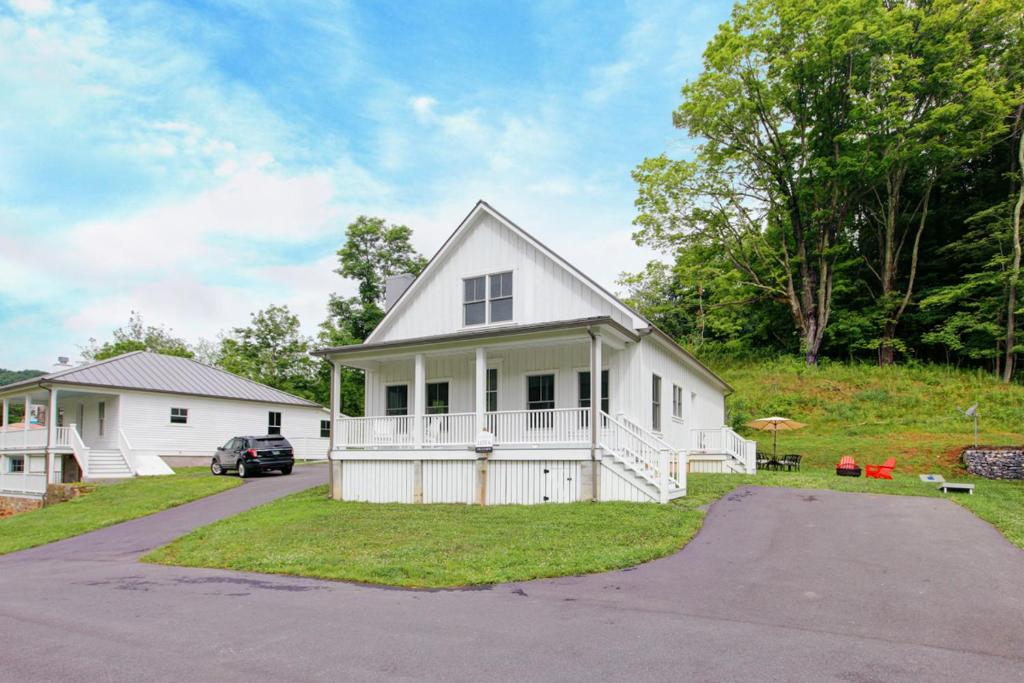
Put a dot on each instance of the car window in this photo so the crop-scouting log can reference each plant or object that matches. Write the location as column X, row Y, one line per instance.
column 229, row 445
column 271, row 443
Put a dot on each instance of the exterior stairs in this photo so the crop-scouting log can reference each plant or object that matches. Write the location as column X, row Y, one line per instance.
column 107, row 464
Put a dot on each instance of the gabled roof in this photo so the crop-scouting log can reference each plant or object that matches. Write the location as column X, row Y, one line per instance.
column 147, row 371
column 483, row 207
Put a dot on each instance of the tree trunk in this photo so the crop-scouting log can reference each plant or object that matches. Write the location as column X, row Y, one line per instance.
column 1011, row 297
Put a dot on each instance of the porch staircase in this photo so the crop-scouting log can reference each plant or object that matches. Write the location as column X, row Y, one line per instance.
column 107, row 464
column 640, row 459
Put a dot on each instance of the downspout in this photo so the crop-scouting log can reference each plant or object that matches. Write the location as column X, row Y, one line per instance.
column 594, row 416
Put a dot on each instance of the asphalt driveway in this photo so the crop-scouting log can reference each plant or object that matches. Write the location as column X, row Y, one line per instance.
column 780, row 585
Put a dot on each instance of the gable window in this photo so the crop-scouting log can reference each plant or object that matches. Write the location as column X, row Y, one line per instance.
column 273, row 423
column 15, row 464
column 179, row 416
column 584, row 390
column 501, row 297
column 492, row 390
column 437, row 398
column 677, row 401
column 474, row 301
column 487, row 298
column 655, row 403
column 325, row 429
column 101, row 415
column 396, row 400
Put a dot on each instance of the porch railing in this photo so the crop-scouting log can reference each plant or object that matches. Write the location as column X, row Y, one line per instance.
column 14, row 438
column 510, row 428
column 725, row 441
column 661, row 466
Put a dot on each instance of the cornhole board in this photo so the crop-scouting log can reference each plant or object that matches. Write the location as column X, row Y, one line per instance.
column 950, row 486
column 932, row 478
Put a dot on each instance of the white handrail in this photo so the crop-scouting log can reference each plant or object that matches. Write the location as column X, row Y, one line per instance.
column 724, row 440
column 125, row 446
column 536, row 427
column 80, row 450
column 642, row 455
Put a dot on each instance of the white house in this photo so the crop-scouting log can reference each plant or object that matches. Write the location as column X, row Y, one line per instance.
column 501, row 341
column 137, row 414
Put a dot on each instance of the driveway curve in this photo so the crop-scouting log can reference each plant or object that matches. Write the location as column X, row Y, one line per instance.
column 780, row 585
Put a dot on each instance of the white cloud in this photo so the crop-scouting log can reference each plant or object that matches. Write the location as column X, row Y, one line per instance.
column 33, row 6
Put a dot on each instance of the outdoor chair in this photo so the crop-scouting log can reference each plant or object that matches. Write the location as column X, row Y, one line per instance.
column 883, row 471
column 763, row 461
column 846, row 467
column 791, row 462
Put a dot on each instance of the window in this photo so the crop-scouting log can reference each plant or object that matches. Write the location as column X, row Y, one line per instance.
column 437, row 398
column 15, row 464
column 179, row 416
column 273, row 423
column 492, row 390
column 487, row 299
column 101, row 416
column 677, row 401
column 584, row 390
column 230, row 445
column 474, row 301
column 501, row 297
column 396, row 400
column 540, row 395
column 656, row 403
column 325, row 429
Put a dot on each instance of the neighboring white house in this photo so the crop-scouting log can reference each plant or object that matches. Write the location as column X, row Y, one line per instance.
column 500, row 340
column 138, row 413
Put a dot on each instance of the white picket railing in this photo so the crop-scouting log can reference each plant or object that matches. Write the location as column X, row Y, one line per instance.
column 375, row 432
column 449, row 429
column 655, row 462
column 15, row 438
column 727, row 442
column 536, row 427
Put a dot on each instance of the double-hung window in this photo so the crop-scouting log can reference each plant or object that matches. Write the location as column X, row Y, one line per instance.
column 584, row 390
column 15, row 464
column 677, row 401
column 487, row 298
column 396, row 399
column 437, row 398
column 179, row 416
column 655, row 403
column 492, row 390
column 540, row 395
column 274, row 423
column 325, row 429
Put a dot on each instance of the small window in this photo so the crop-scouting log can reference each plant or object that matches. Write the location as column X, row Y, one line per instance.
column 656, row 403
column 501, row 297
column 677, row 401
column 16, row 464
column 584, row 390
column 325, row 429
column 397, row 400
column 474, row 301
column 179, row 416
column 274, row 423
column 492, row 390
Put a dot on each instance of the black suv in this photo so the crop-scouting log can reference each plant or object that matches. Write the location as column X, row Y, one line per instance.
column 251, row 455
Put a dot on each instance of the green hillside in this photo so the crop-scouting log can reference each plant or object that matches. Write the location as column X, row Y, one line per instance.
column 12, row 376
column 908, row 412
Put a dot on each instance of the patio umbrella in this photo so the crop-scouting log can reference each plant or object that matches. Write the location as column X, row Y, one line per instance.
column 775, row 425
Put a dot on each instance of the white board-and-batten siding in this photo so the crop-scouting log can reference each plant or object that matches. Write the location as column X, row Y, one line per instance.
column 146, row 420
column 543, row 290
column 84, row 412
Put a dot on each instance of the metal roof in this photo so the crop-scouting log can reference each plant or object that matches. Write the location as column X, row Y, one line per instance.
column 147, row 371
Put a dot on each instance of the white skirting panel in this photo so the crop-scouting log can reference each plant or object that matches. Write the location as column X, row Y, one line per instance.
column 522, row 482
column 711, row 466
column 618, row 486
column 377, row 481
column 449, row 481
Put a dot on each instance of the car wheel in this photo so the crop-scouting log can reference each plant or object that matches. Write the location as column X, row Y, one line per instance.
column 286, row 470
column 243, row 471
column 216, row 468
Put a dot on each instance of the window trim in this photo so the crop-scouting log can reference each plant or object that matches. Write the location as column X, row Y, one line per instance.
column 179, row 422
column 677, row 402
column 499, row 270
column 384, row 412
column 270, row 422
column 11, row 459
column 657, row 388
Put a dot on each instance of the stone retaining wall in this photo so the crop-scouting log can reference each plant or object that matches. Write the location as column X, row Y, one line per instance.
column 995, row 462
column 12, row 505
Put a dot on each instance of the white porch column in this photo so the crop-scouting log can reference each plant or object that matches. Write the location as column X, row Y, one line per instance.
column 481, row 389
column 6, row 413
column 419, row 393
column 51, row 433
column 334, row 467
column 595, row 388
column 28, row 409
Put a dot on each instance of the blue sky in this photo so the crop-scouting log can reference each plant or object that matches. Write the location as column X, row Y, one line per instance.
column 198, row 161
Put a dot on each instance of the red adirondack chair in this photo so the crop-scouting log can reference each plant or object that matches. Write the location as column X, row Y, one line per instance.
column 883, row 471
column 846, row 467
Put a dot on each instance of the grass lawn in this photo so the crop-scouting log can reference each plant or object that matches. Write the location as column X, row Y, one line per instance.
column 109, row 504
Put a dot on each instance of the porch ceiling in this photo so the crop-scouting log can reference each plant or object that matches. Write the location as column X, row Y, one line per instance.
column 367, row 356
